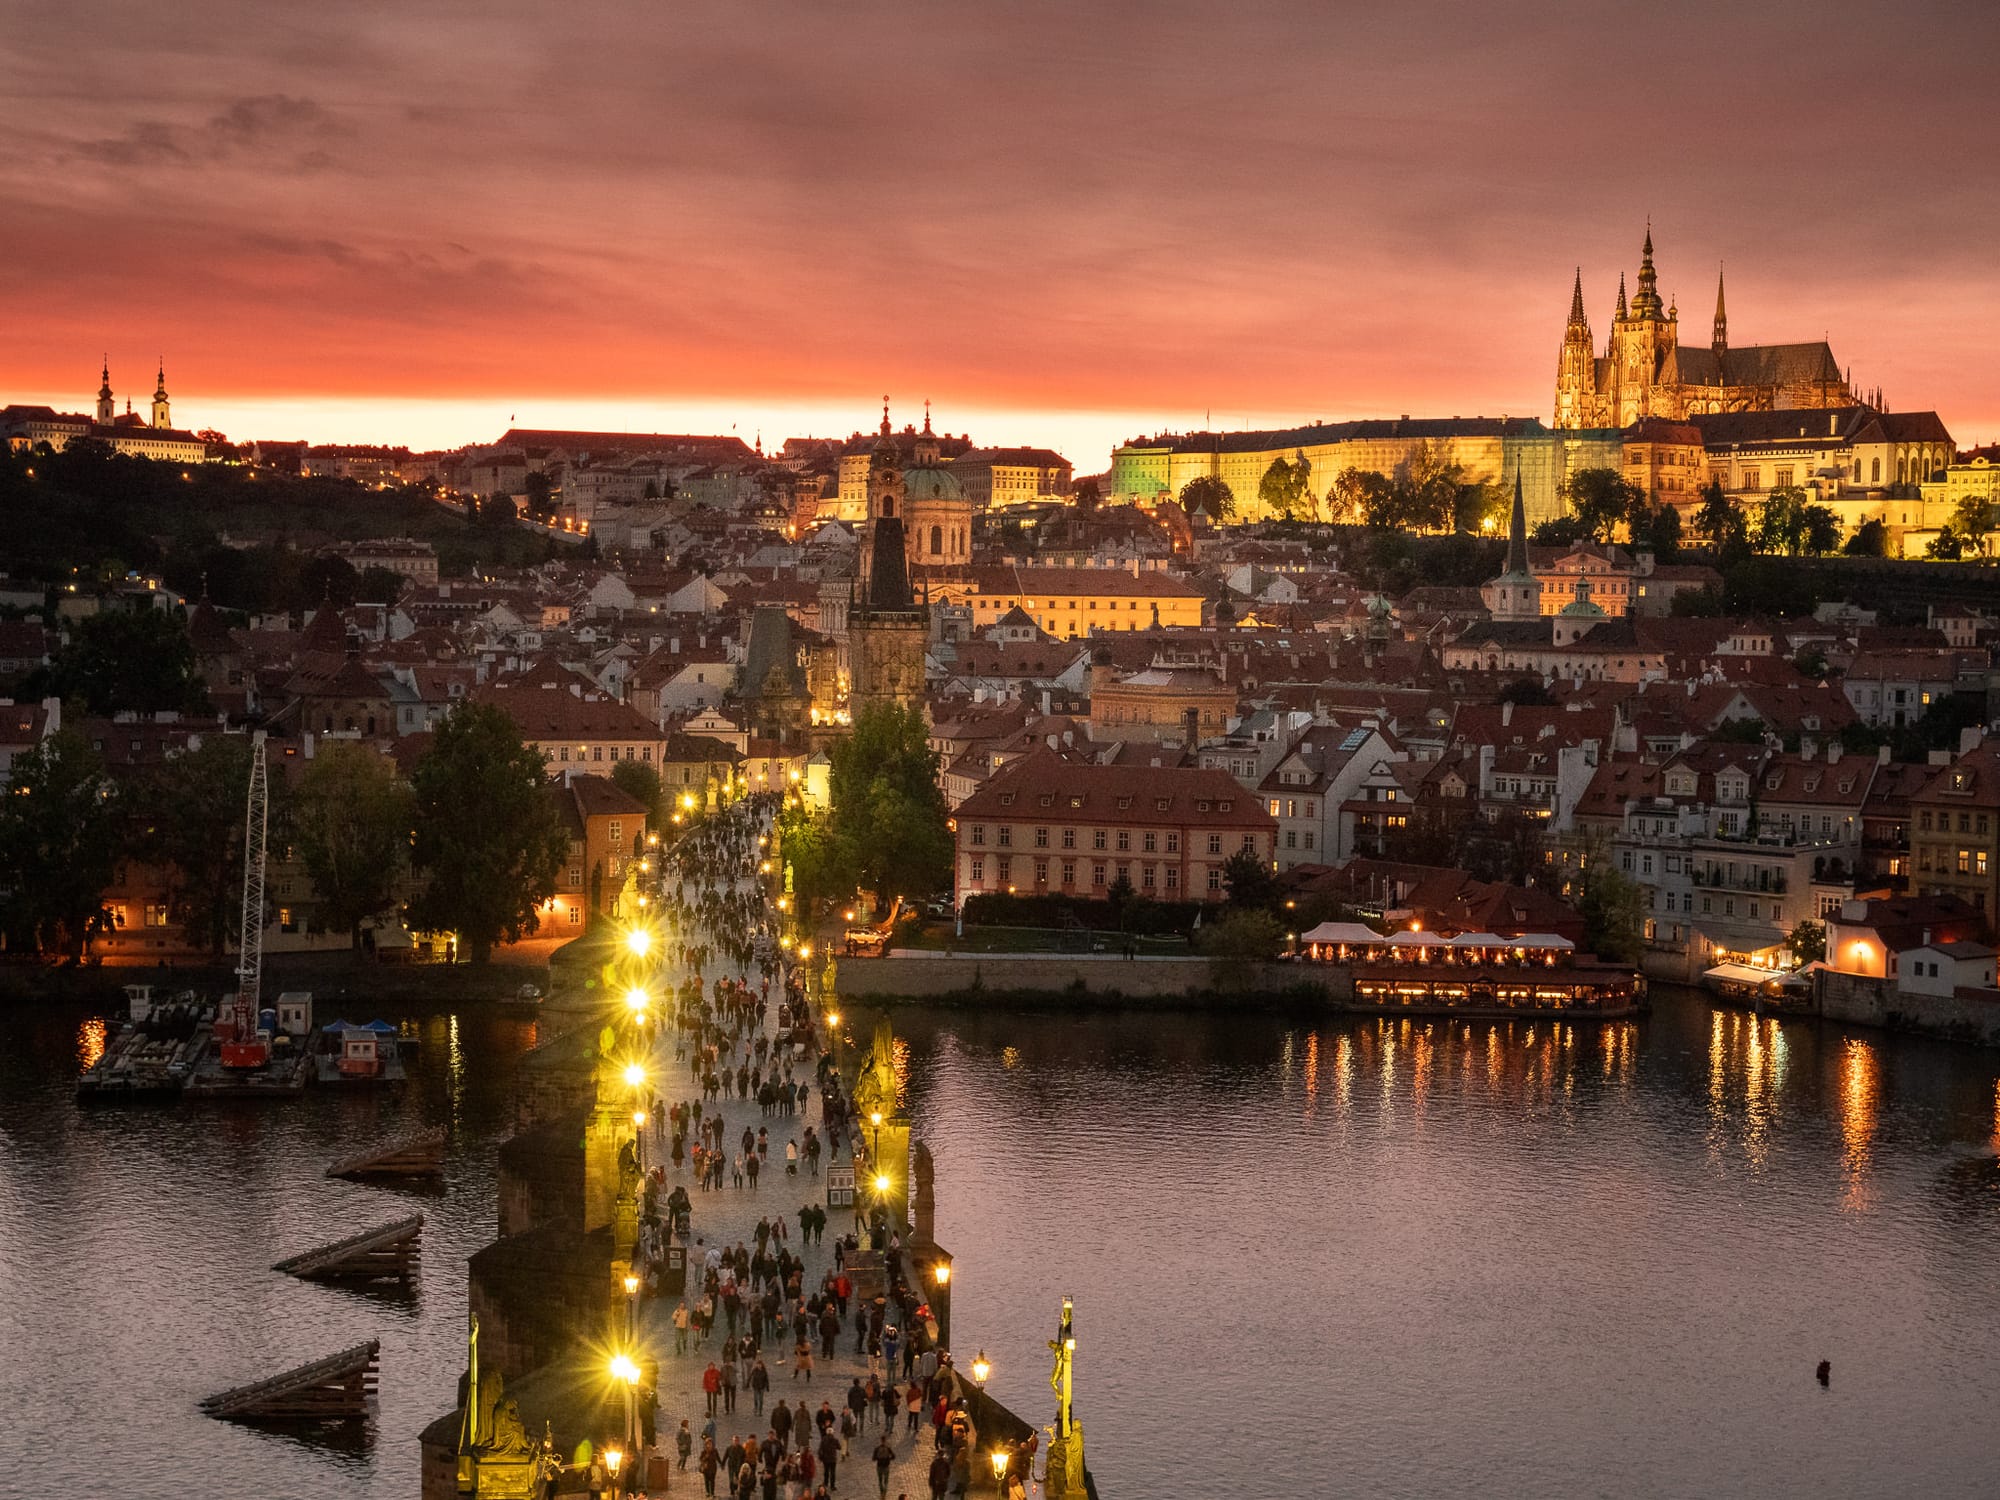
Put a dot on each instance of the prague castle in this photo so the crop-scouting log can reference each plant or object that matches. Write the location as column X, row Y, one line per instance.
column 1645, row 370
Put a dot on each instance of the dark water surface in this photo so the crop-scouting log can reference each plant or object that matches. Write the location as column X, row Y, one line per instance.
column 1369, row 1258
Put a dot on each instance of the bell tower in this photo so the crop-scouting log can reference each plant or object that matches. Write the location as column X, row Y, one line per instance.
column 162, row 412
column 107, row 408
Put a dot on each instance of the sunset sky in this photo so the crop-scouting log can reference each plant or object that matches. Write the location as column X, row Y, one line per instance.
column 1065, row 223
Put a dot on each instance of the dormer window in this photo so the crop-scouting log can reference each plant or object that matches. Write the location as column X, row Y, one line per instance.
column 1006, row 799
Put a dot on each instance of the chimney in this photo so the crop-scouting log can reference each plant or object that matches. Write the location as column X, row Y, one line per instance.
column 1882, row 755
column 1927, row 939
column 1045, row 703
column 1135, row 567
column 1191, row 727
column 1833, row 752
column 1506, row 713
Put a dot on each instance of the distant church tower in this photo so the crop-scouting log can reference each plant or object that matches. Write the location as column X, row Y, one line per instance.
column 1721, row 340
column 107, row 409
column 162, row 413
column 888, row 630
column 1515, row 594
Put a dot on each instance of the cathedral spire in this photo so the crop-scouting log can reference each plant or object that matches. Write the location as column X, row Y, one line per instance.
column 1621, row 294
column 1646, row 303
column 1721, row 341
column 885, row 416
column 1576, row 319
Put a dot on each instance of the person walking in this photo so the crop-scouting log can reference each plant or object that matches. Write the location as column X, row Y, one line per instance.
column 760, row 1382
column 885, row 1455
column 683, row 1443
column 711, row 1386
column 829, row 1459
column 710, row 1461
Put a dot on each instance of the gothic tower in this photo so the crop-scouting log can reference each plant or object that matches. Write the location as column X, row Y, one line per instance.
column 1576, row 367
column 888, row 629
column 107, row 409
column 1721, row 340
column 1515, row 594
column 162, row 413
column 1641, row 338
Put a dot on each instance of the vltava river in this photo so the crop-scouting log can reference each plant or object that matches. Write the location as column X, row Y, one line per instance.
column 1366, row 1258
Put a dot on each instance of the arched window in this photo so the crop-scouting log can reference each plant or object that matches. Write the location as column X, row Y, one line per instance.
column 1875, row 471
column 937, row 541
column 888, row 505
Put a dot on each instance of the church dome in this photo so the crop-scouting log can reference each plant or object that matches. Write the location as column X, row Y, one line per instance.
column 931, row 482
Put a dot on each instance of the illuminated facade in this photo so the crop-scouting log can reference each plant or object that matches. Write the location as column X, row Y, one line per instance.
column 1645, row 370
column 126, row 432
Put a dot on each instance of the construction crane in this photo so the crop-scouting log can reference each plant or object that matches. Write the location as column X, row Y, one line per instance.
column 242, row 1046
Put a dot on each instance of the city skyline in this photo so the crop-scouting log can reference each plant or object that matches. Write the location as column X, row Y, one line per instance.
column 393, row 228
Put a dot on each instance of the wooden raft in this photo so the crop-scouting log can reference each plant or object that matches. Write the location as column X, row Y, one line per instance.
column 336, row 1388
column 418, row 1156
column 390, row 1252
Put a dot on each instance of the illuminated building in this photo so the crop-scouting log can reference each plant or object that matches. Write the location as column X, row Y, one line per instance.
column 1645, row 370
column 126, row 432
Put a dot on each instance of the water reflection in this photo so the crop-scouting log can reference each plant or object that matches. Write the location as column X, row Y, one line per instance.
column 90, row 1039
column 1859, row 1081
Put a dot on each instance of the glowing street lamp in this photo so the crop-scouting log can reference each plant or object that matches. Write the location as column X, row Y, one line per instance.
column 833, row 1018
column 981, row 1368
column 942, row 1273
column 636, row 1001
column 639, row 942
column 1000, row 1466
column 882, row 1183
column 635, row 1075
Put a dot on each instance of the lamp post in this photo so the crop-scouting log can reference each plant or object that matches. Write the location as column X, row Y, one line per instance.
column 626, row 1373
column 1000, row 1457
column 981, row 1368
column 631, row 1307
column 614, row 1459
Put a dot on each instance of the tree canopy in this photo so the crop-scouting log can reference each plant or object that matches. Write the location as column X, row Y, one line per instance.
column 60, row 837
column 191, row 823
column 887, row 818
column 487, row 838
column 1210, row 495
column 137, row 659
column 351, row 820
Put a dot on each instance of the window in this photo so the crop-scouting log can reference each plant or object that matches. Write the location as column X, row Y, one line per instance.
column 1041, row 838
column 1309, row 838
column 1149, row 841
column 1069, row 872
column 1979, row 862
column 1069, row 838
column 1291, row 838
column 1215, row 843
column 617, row 832
column 1097, row 838
column 1006, row 836
column 1041, row 872
column 576, row 877
column 1097, row 875
column 1173, row 877
column 1003, row 869
column 597, row 752
column 575, row 915
column 1965, row 861
column 978, row 833
column 1124, row 839
column 1173, row 843
column 285, row 922
column 1215, row 880
column 1146, row 877
column 978, row 869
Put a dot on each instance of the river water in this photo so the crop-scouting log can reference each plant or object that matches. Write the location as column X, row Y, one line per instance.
column 1358, row 1258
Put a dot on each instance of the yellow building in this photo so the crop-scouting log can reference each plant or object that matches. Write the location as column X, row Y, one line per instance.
column 1072, row 602
column 1492, row 449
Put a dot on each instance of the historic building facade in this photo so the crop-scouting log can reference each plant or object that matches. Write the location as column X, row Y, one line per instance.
column 1645, row 370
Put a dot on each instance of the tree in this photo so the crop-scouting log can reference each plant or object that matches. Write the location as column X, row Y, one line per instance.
column 641, row 783
column 1243, row 935
column 379, row 586
column 192, row 811
column 1782, row 525
column 1613, row 909
column 488, row 839
column 540, row 493
column 1808, row 941
column 1086, row 496
column 1481, row 507
column 1602, row 500
column 887, row 814
column 1209, row 495
column 127, row 659
column 1822, row 530
column 1975, row 518
column 1248, row 879
column 1558, row 531
column 1717, row 518
column 1523, row 691
column 1660, row 530
column 351, row 820
column 1276, row 491
column 1870, row 539
column 1946, row 546
column 1380, row 500
column 60, row 830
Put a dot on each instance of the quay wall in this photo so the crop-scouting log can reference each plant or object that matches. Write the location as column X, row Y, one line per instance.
column 1864, row 1001
column 1091, row 979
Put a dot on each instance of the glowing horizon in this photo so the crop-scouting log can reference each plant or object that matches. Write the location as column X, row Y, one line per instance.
column 1068, row 225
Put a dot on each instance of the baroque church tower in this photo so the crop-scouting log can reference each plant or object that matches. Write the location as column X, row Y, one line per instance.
column 888, row 629
column 162, row 412
column 107, row 408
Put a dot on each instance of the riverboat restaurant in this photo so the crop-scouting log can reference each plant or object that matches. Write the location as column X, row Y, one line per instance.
column 1415, row 970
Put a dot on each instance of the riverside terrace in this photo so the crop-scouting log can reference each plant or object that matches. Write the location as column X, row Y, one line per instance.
column 1474, row 973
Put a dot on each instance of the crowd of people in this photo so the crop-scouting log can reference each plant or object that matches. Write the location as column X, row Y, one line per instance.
column 768, row 1310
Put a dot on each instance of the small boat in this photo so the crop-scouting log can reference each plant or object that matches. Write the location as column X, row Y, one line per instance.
column 359, row 1052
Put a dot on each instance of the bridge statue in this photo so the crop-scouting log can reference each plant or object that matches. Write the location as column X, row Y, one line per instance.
column 875, row 1090
column 1065, row 1479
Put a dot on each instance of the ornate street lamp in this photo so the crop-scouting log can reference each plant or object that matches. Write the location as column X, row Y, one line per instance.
column 981, row 1368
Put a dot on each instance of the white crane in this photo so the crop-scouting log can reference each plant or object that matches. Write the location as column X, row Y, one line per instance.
column 243, row 1049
